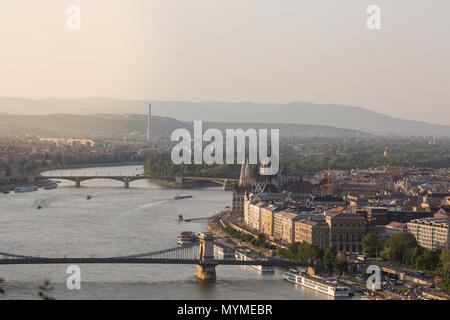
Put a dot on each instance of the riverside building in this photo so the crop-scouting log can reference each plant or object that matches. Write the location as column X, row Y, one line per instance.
column 431, row 233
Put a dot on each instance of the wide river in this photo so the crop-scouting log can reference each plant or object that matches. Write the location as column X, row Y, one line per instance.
column 119, row 221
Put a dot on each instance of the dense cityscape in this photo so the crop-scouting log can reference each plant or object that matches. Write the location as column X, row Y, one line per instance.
column 335, row 222
column 228, row 159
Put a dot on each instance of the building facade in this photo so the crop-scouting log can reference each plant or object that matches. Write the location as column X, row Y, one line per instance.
column 313, row 232
column 430, row 233
column 346, row 231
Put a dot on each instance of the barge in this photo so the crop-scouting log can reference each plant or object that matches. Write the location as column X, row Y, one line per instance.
column 26, row 189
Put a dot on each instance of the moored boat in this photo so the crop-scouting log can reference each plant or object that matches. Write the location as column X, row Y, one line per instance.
column 186, row 237
column 26, row 189
column 330, row 286
column 50, row 186
column 182, row 197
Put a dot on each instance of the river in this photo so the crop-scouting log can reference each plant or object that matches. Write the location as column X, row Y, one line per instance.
column 119, row 221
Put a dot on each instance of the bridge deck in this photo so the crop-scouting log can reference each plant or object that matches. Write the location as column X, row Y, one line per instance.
column 133, row 178
column 271, row 263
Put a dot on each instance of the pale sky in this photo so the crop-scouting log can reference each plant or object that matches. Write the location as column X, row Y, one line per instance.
column 233, row 50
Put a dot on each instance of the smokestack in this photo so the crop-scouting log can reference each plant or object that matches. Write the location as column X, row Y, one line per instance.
column 148, row 121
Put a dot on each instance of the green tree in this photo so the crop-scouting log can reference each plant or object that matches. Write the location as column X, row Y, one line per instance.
column 45, row 289
column 329, row 258
column 429, row 260
column 445, row 284
column 261, row 238
column 341, row 262
column 302, row 251
column 1, row 289
column 445, row 261
column 397, row 245
column 413, row 256
column 371, row 244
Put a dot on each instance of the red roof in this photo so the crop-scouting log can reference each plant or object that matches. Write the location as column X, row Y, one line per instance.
column 395, row 224
column 337, row 209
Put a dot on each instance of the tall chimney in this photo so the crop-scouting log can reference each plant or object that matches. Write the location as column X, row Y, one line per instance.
column 148, row 121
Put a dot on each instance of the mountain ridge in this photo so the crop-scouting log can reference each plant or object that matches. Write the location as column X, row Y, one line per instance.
column 334, row 115
column 133, row 126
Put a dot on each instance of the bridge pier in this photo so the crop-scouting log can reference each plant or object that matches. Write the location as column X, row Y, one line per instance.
column 206, row 272
column 227, row 186
column 206, row 269
column 77, row 182
column 127, row 183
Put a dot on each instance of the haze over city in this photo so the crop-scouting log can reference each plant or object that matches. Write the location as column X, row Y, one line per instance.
column 219, row 156
column 271, row 52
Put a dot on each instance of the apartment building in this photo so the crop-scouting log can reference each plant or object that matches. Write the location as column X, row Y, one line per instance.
column 431, row 233
column 267, row 220
column 342, row 230
column 284, row 228
column 252, row 214
column 312, row 231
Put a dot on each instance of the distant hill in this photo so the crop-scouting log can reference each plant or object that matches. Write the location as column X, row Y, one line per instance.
column 339, row 116
column 134, row 126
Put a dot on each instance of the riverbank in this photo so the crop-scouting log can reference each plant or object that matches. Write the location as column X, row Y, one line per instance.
column 10, row 187
column 186, row 185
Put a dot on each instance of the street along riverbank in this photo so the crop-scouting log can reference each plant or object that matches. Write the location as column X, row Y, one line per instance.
column 218, row 222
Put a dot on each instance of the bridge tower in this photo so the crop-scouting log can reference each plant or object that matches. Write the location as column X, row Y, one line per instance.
column 206, row 269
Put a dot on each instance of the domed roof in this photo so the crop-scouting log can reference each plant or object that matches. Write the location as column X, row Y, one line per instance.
column 266, row 162
column 267, row 168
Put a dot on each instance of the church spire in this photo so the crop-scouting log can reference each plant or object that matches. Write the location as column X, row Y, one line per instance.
column 245, row 177
column 241, row 177
column 247, row 174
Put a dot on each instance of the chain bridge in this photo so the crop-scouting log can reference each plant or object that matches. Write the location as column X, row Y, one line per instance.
column 201, row 254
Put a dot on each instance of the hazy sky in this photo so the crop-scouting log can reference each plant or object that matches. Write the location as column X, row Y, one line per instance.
column 233, row 50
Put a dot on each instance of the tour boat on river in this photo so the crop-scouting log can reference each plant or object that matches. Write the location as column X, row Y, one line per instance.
column 50, row 186
column 26, row 189
column 186, row 237
column 182, row 197
column 329, row 286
